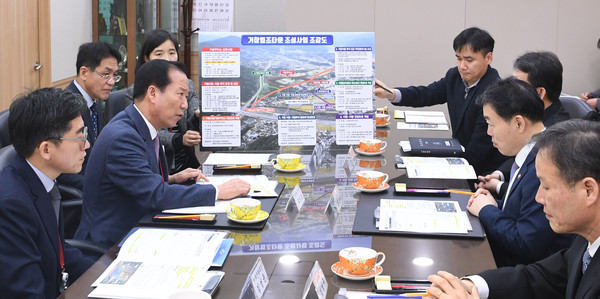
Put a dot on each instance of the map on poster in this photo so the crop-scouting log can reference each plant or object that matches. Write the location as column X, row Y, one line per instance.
column 286, row 89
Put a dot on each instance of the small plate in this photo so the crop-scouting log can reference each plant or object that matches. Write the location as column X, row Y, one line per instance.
column 356, row 149
column 262, row 215
column 341, row 272
column 383, row 188
column 298, row 168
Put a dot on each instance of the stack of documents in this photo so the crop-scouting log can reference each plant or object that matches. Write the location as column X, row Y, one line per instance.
column 423, row 216
column 437, row 168
column 154, row 263
column 422, row 120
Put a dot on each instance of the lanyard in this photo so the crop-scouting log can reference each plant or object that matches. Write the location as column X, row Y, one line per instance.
column 64, row 275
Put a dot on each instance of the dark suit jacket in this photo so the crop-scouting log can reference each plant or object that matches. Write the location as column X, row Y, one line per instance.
column 521, row 234
column 555, row 113
column 29, row 249
column 126, row 183
column 557, row 276
column 466, row 117
column 76, row 179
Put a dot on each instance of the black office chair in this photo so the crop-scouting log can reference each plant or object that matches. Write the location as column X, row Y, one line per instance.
column 578, row 108
column 4, row 136
column 115, row 103
column 7, row 154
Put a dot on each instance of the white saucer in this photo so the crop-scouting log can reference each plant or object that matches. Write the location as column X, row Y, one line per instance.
column 383, row 188
column 262, row 215
column 356, row 149
column 341, row 272
column 298, row 168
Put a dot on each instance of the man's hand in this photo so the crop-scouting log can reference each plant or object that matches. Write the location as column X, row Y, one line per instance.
column 489, row 182
column 191, row 138
column 382, row 93
column 480, row 199
column 186, row 174
column 447, row 286
column 233, row 188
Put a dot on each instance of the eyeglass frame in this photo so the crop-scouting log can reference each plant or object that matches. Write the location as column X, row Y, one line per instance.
column 106, row 77
column 83, row 139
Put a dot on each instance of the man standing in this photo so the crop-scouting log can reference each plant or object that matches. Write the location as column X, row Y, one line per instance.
column 48, row 135
column 97, row 66
column 459, row 88
column 568, row 167
column 131, row 175
column 515, row 225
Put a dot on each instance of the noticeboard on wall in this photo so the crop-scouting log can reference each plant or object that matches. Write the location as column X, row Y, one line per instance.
column 264, row 91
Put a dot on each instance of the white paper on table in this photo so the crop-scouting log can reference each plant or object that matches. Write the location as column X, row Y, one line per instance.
column 425, row 117
column 435, row 171
column 236, row 159
column 260, row 186
column 431, row 127
column 153, row 263
column 219, row 207
column 422, row 216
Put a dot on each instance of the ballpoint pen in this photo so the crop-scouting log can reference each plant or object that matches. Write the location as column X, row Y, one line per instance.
column 386, row 89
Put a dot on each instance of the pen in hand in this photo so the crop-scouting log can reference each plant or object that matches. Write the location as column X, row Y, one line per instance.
column 386, row 89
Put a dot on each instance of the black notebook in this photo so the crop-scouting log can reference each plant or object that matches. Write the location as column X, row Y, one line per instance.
column 439, row 147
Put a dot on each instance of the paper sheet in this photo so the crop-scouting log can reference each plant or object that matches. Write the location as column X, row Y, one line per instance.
column 422, row 216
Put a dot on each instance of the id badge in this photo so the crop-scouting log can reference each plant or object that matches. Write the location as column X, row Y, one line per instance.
column 65, row 278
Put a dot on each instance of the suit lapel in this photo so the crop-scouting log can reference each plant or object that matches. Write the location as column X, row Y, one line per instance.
column 142, row 129
column 591, row 275
column 42, row 202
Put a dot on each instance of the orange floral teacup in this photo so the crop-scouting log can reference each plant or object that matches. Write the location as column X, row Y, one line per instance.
column 370, row 179
column 382, row 119
column 360, row 260
column 372, row 145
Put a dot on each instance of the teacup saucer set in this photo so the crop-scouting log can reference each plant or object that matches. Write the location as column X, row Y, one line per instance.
column 246, row 210
column 288, row 163
column 358, row 263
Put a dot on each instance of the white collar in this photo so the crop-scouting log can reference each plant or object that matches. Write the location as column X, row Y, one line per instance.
column 46, row 181
column 151, row 128
column 86, row 96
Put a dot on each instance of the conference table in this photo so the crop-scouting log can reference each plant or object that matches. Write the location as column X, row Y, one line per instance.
column 314, row 233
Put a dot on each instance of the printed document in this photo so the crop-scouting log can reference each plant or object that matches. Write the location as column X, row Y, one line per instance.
column 438, row 168
column 153, row 263
column 422, row 216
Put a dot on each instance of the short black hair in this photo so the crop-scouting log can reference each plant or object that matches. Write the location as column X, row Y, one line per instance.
column 477, row 39
column 91, row 54
column 572, row 145
column 41, row 115
column 154, row 72
column 152, row 40
column 543, row 70
column 510, row 97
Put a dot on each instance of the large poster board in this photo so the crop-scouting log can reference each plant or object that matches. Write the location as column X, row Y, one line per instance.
column 286, row 89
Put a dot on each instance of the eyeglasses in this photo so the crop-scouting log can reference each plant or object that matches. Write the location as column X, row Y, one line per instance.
column 82, row 139
column 106, row 77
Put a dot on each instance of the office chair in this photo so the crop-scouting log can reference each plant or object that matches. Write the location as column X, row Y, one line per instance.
column 4, row 136
column 115, row 103
column 7, row 154
column 578, row 108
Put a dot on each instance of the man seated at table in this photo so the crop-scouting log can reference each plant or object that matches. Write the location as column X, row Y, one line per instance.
column 515, row 225
column 568, row 167
column 460, row 87
column 49, row 137
column 131, row 175
column 543, row 71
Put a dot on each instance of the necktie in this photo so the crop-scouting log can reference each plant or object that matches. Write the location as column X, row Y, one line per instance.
column 156, row 147
column 513, row 171
column 586, row 260
column 94, row 111
column 55, row 199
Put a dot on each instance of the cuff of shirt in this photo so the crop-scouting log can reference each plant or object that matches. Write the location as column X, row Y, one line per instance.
column 397, row 96
column 481, row 284
column 499, row 187
column 499, row 174
column 216, row 193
